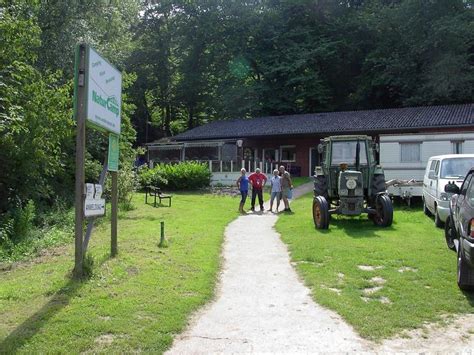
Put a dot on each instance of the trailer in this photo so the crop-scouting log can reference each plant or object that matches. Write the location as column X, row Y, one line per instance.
column 405, row 189
column 404, row 158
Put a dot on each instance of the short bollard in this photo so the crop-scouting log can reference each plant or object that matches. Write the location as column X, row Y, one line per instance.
column 162, row 236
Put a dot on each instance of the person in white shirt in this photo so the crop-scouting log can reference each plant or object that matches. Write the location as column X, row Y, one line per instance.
column 275, row 183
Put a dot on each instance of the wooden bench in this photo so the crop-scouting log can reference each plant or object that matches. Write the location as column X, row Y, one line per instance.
column 156, row 192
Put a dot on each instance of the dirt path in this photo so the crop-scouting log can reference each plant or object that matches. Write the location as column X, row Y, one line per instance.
column 454, row 337
column 261, row 305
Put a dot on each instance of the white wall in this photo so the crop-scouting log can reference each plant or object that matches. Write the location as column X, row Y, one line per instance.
column 226, row 179
column 431, row 145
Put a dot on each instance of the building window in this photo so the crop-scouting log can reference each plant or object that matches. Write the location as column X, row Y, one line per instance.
column 457, row 147
column 270, row 155
column 410, row 152
column 288, row 153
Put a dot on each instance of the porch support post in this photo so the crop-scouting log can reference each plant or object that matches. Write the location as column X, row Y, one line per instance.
column 231, row 166
column 210, row 166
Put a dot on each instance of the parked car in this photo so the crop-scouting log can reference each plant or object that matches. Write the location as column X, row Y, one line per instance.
column 459, row 229
column 439, row 171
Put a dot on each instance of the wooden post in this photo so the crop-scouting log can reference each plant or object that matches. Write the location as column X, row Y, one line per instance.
column 113, row 227
column 80, row 113
column 162, row 234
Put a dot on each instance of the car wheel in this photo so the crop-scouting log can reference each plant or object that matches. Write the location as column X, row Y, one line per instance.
column 465, row 273
column 320, row 212
column 437, row 220
column 425, row 209
column 450, row 233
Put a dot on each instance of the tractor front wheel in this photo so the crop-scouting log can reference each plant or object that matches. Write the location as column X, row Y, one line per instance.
column 320, row 212
column 384, row 211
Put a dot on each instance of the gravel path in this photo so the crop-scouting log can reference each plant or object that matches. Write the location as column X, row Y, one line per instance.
column 261, row 304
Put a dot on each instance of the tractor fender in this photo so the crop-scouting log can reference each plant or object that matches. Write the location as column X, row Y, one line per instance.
column 378, row 170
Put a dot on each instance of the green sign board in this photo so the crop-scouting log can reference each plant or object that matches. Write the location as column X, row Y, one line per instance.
column 104, row 93
column 113, row 159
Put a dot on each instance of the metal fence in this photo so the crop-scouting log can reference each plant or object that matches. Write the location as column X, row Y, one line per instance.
column 232, row 166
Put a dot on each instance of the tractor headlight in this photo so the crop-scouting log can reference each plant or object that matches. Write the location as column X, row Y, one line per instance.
column 351, row 184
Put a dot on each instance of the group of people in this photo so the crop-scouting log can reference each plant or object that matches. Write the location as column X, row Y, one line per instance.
column 280, row 183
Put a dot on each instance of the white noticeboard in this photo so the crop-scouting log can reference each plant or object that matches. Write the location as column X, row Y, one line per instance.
column 104, row 93
column 94, row 204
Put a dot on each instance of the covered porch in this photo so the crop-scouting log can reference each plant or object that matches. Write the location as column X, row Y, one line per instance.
column 226, row 157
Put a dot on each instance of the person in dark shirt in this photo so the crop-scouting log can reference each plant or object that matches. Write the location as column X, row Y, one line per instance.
column 257, row 180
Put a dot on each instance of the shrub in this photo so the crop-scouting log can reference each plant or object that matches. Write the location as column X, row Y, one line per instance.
column 21, row 238
column 182, row 176
column 17, row 225
column 127, row 184
column 186, row 175
column 153, row 177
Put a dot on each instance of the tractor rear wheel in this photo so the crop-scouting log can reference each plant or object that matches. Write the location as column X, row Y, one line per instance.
column 321, row 187
column 384, row 214
column 320, row 212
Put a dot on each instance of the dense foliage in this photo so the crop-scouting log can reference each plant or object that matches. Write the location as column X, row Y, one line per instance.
column 203, row 60
column 37, row 40
column 182, row 176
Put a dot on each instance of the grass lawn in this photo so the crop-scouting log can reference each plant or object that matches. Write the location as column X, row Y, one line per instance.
column 135, row 302
column 297, row 181
column 413, row 276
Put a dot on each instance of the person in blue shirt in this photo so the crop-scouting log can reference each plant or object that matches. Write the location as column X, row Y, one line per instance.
column 243, row 185
column 275, row 183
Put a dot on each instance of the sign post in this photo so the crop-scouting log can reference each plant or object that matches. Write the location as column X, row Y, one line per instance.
column 80, row 115
column 97, row 102
column 113, row 158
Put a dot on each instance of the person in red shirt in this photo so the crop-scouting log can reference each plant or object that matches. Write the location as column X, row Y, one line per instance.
column 257, row 180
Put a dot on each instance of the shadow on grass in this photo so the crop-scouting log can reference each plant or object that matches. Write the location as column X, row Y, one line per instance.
column 31, row 326
column 138, row 218
column 358, row 227
column 469, row 296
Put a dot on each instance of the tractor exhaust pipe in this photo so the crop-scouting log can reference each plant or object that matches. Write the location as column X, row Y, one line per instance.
column 358, row 155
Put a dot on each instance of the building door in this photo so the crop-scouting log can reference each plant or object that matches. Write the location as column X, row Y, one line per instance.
column 313, row 160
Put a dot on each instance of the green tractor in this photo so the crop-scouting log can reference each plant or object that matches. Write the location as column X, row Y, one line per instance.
column 350, row 182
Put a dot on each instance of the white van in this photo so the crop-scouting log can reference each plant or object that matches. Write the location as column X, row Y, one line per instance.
column 439, row 171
